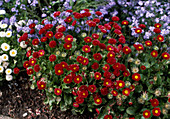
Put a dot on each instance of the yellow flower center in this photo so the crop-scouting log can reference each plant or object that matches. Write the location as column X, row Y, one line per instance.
column 59, row 71
column 78, row 79
column 165, row 55
column 126, row 92
column 86, row 49
column 156, row 111
column 13, row 52
column 8, row 34
column 69, row 39
column 98, row 100
column 58, row 91
column 6, row 47
column 97, row 76
column 146, row 113
column 138, row 30
column 126, row 49
column 120, row 84
column 111, row 55
column 49, row 34
column 5, row 57
column 42, row 86
column 8, row 71
column 107, row 83
column 136, row 77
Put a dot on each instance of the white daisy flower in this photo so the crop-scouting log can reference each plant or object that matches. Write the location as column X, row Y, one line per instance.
column 2, row 12
column 5, row 64
column 8, row 34
column 22, row 44
column 3, row 26
column 8, row 71
column 5, row 57
column 5, row 47
column 9, row 77
column 1, row 69
column 2, row 34
column 13, row 53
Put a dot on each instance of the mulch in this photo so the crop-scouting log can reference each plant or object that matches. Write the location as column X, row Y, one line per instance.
column 19, row 101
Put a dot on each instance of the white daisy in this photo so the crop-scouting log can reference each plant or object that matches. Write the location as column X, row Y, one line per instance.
column 0, row 59
column 2, row 34
column 2, row 12
column 13, row 53
column 1, row 69
column 9, row 77
column 5, row 64
column 5, row 57
column 5, row 47
column 8, row 34
column 3, row 26
column 8, row 71
column 22, row 44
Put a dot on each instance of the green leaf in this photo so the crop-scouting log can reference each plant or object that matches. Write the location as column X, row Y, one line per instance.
column 131, row 110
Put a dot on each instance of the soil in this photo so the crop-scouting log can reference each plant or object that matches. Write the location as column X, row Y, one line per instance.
column 19, row 101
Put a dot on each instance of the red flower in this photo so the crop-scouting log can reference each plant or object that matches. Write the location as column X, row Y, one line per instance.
column 16, row 70
column 74, row 23
column 57, row 91
column 26, row 64
column 83, row 93
column 111, row 61
column 35, row 55
column 138, row 47
column 108, row 117
column 85, row 61
column 124, row 22
column 95, row 66
column 80, row 59
column 56, row 13
column 52, row 44
column 32, row 25
column 96, row 20
column 156, row 111
column 112, row 41
column 154, row 53
column 37, row 68
column 157, row 25
column 138, row 30
column 52, row 58
column 115, row 18
column 68, row 19
column 97, row 75
column 114, row 93
column 165, row 55
column 107, row 74
column 148, row 43
column 95, row 42
column 64, row 64
column 59, row 71
column 92, row 88
column 75, row 104
column 30, row 71
column 98, row 13
column 74, row 67
column 98, row 100
column 126, row 91
column 102, row 46
column 88, row 39
column 117, row 66
column 83, row 87
column 41, row 53
column 110, row 48
column 42, row 31
column 126, row 73
column 157, row 30
column 49, row 34
column 143, row 67
column 48, row 26
column 79, row 100
column 62, row 29
column 160, row 38
column 67, row 46
column 41, row 85
column 142, row 26
column 35, row 42
column 122, row 40
column 68, row 79
column 69, row 39
column 86, row 48
column 146, row 114
column 136, row 77
column 106, row 67
column 78, row 79
column 111, row 54
column 132, row 88
column 117, row 31
column 107, row 82
column 97, row 56
column 32, row 61
column 126, row 50
column 70, row 11
column 120, row 84
column 32, row 31
column 95, row 36
column 58, row 35
column 92, row 24
column 154, row 102
column 28, row 53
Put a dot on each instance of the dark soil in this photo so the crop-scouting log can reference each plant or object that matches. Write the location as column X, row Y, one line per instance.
column 17, row 98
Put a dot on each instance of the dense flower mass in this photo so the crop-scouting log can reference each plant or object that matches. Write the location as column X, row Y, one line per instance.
column 85, row 59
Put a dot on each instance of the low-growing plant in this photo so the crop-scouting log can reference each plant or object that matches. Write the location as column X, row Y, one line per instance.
column 83, row 64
